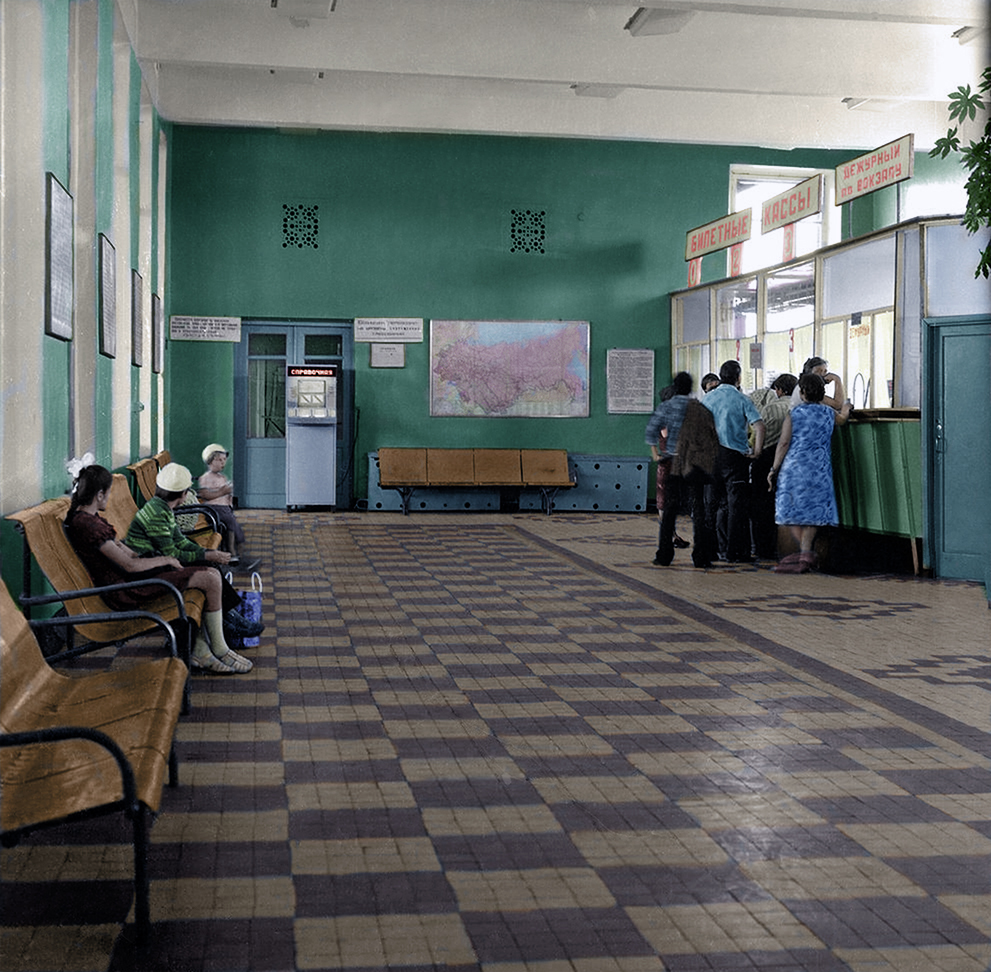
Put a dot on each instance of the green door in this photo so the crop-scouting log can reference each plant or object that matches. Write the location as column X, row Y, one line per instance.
column 260, row 361
column 957, row 431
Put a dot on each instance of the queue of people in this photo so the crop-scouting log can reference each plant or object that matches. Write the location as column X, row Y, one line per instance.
column 155, row 547
column 753, row 463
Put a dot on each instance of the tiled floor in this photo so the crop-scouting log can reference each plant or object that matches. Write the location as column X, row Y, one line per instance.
column 509, row 744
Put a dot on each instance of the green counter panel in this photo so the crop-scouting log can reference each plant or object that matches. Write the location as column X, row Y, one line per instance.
column 877, row 469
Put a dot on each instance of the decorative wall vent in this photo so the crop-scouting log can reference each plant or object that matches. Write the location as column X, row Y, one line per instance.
column 527, row 233
column 300, row 226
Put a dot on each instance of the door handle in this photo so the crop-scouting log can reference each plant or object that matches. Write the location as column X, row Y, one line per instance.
column 939, row 443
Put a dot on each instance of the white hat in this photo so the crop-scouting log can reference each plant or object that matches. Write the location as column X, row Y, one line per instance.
column 174, row 478
column 211, row 449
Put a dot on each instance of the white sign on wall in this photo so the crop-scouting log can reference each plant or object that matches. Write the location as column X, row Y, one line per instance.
column 205, row 328
column 629, row 380
column 389, row 330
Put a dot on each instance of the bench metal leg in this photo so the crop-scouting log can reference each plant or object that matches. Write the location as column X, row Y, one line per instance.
column 142, row 885
column 405, row 495
column 173, row 767
column 547, row 494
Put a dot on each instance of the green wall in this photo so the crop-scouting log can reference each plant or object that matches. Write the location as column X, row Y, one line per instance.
column 419, row 226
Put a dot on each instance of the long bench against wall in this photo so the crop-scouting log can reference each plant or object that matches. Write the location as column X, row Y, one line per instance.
column 616, row 484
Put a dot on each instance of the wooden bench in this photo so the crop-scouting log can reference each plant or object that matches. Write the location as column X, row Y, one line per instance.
column 406, row 470
column 45, row 540
column 206, row 529
column 76, row 747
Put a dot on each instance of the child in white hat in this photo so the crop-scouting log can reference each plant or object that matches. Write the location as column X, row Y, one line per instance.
column 218, row 491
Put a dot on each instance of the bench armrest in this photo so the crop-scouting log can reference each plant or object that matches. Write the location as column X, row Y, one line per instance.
column 209, row 513
column 59, row 733
column 60, row 596
column 74, row 619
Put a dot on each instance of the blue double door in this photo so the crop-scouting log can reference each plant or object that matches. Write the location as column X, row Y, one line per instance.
column 260, row 360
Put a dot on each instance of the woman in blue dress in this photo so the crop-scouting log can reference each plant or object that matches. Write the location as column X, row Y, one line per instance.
column 802, row 472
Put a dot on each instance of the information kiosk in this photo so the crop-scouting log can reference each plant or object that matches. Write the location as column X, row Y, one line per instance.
column 311, row 435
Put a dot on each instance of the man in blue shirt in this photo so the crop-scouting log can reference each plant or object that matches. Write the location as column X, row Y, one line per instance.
column 733, row 413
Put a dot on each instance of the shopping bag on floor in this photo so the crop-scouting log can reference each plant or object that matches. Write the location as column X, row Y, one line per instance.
column 250, row 609
column 251, row 606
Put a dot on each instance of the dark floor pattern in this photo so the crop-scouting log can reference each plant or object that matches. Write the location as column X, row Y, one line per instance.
column 460, row 749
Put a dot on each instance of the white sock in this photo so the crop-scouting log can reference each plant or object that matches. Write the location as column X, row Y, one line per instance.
column 213, row 621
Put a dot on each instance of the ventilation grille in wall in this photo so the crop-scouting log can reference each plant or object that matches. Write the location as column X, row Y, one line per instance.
column 527, row 232
column 300, row 226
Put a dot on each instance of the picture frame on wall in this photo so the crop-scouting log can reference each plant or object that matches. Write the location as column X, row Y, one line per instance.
column 59, row 295
column 157, row 335
column 137, row 329
column 108, row 298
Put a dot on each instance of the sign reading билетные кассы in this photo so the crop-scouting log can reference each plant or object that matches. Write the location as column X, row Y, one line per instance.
column 204, row 328
column 718, row 235
column 793, row 204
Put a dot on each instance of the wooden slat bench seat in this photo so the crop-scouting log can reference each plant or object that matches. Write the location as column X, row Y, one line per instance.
column 73, row 747
column 409, row 469
column 42, row 527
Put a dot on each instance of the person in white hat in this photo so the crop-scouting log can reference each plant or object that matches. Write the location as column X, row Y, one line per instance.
column 218, row 491
column 154, row 532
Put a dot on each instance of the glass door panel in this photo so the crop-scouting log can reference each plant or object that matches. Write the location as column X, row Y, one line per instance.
column 736, row 326
column 790, row 320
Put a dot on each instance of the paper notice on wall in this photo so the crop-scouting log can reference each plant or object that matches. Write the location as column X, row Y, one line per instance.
column 204, row 328
column 630, row 380
column 389, row 330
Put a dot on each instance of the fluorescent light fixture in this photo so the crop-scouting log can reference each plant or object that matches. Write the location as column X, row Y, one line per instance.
column 966, row 34
column 304, row 9
column 597, row 90
column 296, row 75
column 872, row 104
column 650, row 21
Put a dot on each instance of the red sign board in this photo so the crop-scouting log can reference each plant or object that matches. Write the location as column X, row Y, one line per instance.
column 311, row 371
column 882, row 167
column 718, row 235
column 792, row 205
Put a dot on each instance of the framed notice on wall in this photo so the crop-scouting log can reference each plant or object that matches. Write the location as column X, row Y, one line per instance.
column 137, row 324
column 630, row 380
column 386, row 355
column 108, row 298
column 58, row 260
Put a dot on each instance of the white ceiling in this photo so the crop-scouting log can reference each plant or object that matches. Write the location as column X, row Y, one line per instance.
column 755, row 72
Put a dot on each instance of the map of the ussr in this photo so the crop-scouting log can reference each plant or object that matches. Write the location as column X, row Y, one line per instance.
column 496, row 369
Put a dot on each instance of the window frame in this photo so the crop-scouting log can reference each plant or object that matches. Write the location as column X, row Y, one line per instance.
column 830, row 222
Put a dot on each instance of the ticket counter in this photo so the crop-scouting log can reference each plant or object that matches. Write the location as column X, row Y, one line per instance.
column 902, row 320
